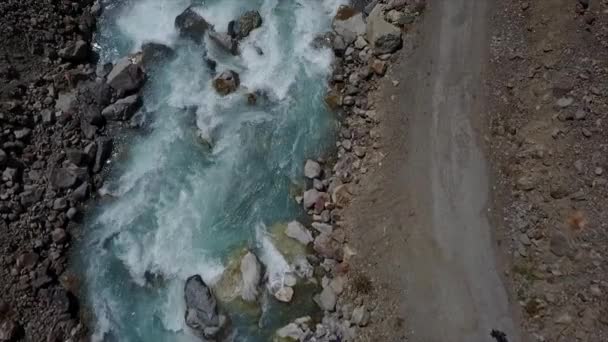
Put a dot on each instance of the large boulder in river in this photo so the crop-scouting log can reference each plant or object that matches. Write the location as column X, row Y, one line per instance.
column 383, row 36
column 192, row 25
column 202, row 314
column 153, row 53
column 251, row 272
column 348, row 25
column 227, row 82
column 225, row 42
column 126, row 76
column 248, row 22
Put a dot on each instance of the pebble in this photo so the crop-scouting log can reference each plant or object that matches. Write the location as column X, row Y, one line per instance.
column 586, row 132
column 564, row 102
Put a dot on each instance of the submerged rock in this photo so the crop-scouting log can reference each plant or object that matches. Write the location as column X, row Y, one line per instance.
column 251, row 273
column 383, row 36
column 201, row 309
column 191, row 25
column 227, row 82
column 248, row 22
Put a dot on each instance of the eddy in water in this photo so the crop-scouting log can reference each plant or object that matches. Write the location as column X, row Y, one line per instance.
column 191, row 243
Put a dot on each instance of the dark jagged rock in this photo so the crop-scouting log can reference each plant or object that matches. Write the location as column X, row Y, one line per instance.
column 224, row 41
column 104, row 151
column 248, row 22
column 202, row 313
column 122, row 109
column 77, row 51
column 126, row 76
column 154, row 53
column 192, row 25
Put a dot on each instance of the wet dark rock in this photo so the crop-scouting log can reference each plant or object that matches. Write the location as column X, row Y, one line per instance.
column 122, row 109
column 92, row 114
column 80, row 193
column 104, row 151
column 126, row 76
column 202, row 314
column 29, row 197
column 225, row 42
column 77, row 157
column 248, row 22
column 77, row 51
column 226, row 83
column 192, row 25
column 154, row 53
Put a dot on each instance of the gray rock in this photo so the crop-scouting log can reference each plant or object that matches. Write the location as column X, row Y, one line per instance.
column 9, row 330
column 338, row 45
column 202, row 314
column 297, row 231
column 227, row 82
column 60, row 204
column 327, row 247
column 11, row 174
column 48, row 116
column 383, row 37
column 77, row 157
column 248, row 22
column 23, row 133
column 154, row 53
column 31, row 196
column 302, row 267
column 59, row 235
column 349, row 28
column 284, row 294
column 291, row 331
column 564, row 102
column 192, row 25
column 104, row 151
column 122, row 109
column 370, row 7
column 360, row 316
column 126, row 76
column 327, row 299
column 77, row 51
column 312, row 169
column 360, row 43
column 80, row 193
column 71, row 213
column 251, row 274
column 559, row 245
column 225, row 42
column 312, row 197
column 322, row 227
column 67, row 177
column 3, row 157
column 66, row 102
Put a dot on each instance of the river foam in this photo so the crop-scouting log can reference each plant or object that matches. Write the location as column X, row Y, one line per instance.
column 179, row 208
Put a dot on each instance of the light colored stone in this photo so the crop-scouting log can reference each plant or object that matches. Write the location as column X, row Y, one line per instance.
column 327, row 299
column 360, row 43
column 312, row 169
column 291, row 331
column 383, row 37
column 360, row 316
column 350, row 28
column 284, row 294
column 297, row 231
column 251, row 271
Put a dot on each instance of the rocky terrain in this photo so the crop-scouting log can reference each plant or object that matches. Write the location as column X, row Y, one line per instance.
column 547, row 137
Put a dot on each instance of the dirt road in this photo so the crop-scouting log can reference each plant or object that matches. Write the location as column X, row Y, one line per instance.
column 430, row 205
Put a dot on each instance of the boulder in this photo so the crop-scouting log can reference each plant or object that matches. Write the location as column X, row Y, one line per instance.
column 9, row 330
column 251, row 274
column 383, row 36
column 92, row 115
column 68, row 177
column 297, row 231
column 153, row 53
column 327, row 299
column 248, row 22
column 77, row 51
column 225, row 42
column 284, row 294
column 291, row 331
column 126, row 76
column 226, row 83
column 104, row 151
column 312, row 169
column 122, row 109
column 192, row 25
column 314, row 198
column 202, row 314
column 349, row 27
column 66, row 102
